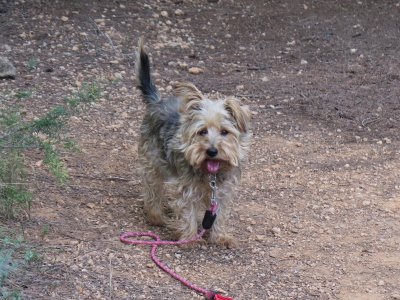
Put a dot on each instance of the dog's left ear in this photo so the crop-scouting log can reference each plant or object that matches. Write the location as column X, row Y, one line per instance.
column 240, row 114
column 190, row 95
column 187, row 91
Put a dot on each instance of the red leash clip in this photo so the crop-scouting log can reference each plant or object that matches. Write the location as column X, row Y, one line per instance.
column 220, row 297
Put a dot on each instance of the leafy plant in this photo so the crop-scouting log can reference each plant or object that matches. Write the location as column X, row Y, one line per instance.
column 31, row 256
column 11, row 250
column 32, row 64
column 23, row 94
column 45, row 133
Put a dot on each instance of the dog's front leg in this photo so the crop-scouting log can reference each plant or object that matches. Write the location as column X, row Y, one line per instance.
column 187, row 226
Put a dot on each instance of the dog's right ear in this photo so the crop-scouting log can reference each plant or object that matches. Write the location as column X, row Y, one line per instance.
column 189, row 94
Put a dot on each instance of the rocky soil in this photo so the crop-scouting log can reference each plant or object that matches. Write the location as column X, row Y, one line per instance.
column 318, row 211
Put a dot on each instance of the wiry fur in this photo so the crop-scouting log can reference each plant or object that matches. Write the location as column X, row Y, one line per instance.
column 177, row 134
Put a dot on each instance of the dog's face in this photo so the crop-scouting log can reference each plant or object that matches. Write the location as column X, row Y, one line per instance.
column 214, row 132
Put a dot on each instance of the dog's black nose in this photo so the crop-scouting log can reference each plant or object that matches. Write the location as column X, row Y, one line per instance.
column 212, row 152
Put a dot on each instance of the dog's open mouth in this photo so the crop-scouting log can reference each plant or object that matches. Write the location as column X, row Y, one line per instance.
column 212, row 166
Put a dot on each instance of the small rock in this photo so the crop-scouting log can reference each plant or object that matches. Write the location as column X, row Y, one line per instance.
column 387, row 140
column 353, row 50
column 7, row 48
column 240, row 87
column 195, row 70
column 265, row 79
column 164, row 13
column 90, row 205
column 7, row 69
column 259, row 238
column 276, row 231
column 179, row 12
column 182, row 65
column 303, row 62
column 366, row 203
column 381, row 283
column 118, row 75
column 355, row 68
column 64, row 18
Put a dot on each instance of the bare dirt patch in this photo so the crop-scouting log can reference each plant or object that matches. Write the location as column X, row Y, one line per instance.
column 317, row 214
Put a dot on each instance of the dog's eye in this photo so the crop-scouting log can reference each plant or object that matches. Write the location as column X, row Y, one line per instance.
column 224, row 132
column 203, row 132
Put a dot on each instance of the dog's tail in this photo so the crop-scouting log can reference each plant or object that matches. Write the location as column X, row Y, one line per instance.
column 146, row 85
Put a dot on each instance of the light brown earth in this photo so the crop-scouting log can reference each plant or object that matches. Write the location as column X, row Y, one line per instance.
column 318, row 210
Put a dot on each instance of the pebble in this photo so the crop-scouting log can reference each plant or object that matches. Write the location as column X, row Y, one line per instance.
column 195, row 70
column 259, row 238
column 179, row 12
column 64, row 18
column 387, row 140
column 7, row 69
column 303, row 62
column 276, row 231
column 164, row 13
column 90, row 205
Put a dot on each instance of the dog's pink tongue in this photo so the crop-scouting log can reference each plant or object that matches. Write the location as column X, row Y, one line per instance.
column 212, row 166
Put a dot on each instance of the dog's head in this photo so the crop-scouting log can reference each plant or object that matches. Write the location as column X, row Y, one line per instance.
column 214, row 132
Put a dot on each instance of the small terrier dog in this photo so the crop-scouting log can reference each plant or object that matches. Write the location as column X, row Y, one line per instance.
column 187, row 138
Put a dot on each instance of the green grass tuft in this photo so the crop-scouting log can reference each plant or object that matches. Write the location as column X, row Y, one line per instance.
column 32, row 64
column 45, row 133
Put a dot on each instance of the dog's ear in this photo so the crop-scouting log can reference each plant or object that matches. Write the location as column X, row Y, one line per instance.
column 240, row 114
column 190, row 95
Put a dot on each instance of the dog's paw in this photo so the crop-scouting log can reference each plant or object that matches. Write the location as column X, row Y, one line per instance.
column 155, row 219
column 226, row 241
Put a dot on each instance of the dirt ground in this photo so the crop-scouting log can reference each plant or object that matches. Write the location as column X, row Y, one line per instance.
column 318, row 211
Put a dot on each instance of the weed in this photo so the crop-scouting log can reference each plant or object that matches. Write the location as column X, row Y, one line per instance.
column 88, row 93
column 32, row 64
column 53, row 160
column 45, row 231
column 44, row 133
column 23, row 94
column 31, row 256
column 11, row 251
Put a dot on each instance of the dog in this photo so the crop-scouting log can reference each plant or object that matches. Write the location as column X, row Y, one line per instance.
column 187, row 138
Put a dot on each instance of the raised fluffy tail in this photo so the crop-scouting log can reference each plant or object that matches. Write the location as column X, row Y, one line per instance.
column 146, row 85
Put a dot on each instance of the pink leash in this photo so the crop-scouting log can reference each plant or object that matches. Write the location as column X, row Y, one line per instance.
column 207, row 224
